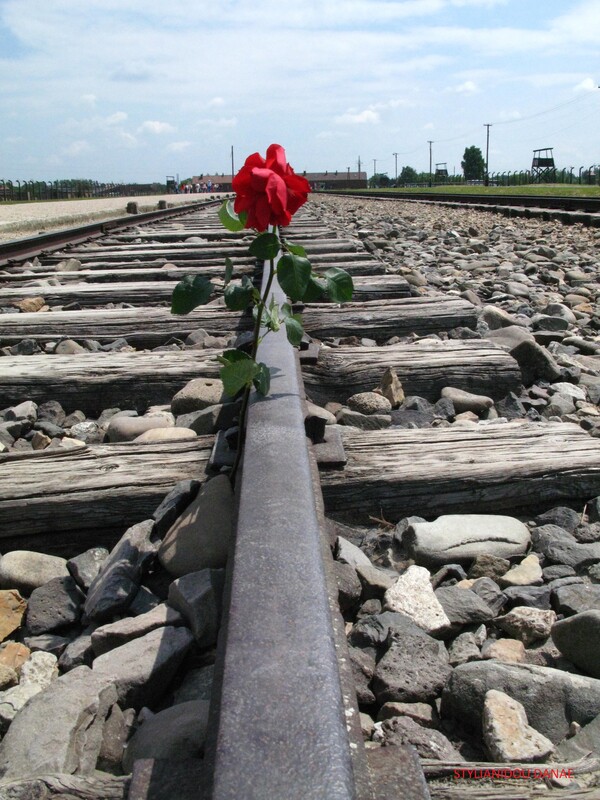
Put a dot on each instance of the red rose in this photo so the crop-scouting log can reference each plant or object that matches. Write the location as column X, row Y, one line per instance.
column 269, row 190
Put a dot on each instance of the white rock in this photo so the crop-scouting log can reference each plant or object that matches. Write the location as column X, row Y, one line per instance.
column 413, row 595
column 507, row 733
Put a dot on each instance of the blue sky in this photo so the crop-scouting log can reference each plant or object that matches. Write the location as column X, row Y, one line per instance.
column 138, row 89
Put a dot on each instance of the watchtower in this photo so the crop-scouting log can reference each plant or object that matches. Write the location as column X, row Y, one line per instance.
column 543, row 169
column 441, row 170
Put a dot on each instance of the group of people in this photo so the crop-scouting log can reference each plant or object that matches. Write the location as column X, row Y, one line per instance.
column 198, row 188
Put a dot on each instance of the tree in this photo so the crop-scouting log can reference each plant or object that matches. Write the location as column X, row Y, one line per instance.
column 473, row 164
column 408, row 175
column 379, row 179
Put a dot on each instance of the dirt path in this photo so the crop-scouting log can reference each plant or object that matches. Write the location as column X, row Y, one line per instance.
column 28, row 219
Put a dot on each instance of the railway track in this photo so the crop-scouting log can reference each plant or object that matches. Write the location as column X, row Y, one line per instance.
column 559, row 208
column 92, row 359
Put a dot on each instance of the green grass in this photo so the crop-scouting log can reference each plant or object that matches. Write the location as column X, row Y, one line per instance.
column 546, row 189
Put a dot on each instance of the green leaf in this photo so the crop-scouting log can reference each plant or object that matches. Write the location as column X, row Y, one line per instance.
column 228, row 270
column 315, row 290
column 190, row 292
column 294, row 330
column 238, row 298
column 294, row 249
column 293, row 273
column 238, row 375
column 285, row 310
column 339, row 285
column 271, row 316
column 262, row 379
column 265, row 247
column 231, row 356
column 232, row 221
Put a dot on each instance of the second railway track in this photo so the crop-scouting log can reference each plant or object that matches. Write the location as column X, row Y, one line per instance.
column 492, row 418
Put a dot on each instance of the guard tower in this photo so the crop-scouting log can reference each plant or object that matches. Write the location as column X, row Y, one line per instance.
column 543, row 169
column 441, row 170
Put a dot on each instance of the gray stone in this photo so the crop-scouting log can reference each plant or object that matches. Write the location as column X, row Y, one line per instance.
column 26, row 410
column 52, row 411
column 362, row 665
column 533, row 359
column 78, row 653
column 60, row 729
column 143, row 602
column 375, row 582
column 349, row 553
column 115, row 734
column 414, row 668
column 560, row 547
column 496, row 318
column 369, row 403
column 488, row 566
column 196, row 685
column 198, row 394
column 371, row 632
column 558, row 571
column 459, row 538
column 531, row 596
column 449, row 573
column 463, row 649
column 126, row 429
column 575, row 598
column 422, row 713
column 465, row 401
column 114, row 634
column 527, row 624
column 54, row 605
column 578, row 639
column 142, row 669
column 507, row 734
column 365, row 422
column 585, row 741
column 209, row 420
column 166, row 435
column 348, row 585
column 173, row 505
column 431, row 744
column 47, row 642
column 491, row 594
column 199, row 596
column 552, row 698
column 85, row 567
column 413, row 595
column 463, row 607
column 25, row 570
column 201, row 536
column 118, row 581
column 69, row 348
column 89, row 432
column 176, row 733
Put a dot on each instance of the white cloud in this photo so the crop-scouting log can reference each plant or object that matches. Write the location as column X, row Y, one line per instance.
column 216, row 101
column 127, row 139
column 89, row 99
column 467, row 87
column 116, row 118
column 368, row 116
column 220, row 122
column 429, row 126
column 178, row 147
column 154, row 126
column 586, row 85
column 77, row 148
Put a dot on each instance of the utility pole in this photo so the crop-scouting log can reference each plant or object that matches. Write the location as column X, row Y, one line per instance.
column 430, row 142
column 359, row 168
column 396, row 160
column 374, row 167
column 487, row 125
column 232, row 167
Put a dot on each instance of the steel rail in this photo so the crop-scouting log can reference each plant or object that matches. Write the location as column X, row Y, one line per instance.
column 562, row 209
